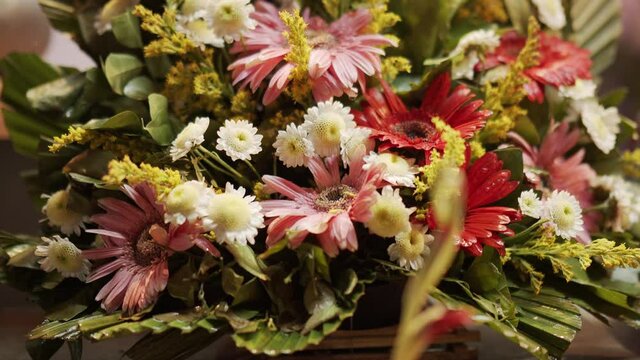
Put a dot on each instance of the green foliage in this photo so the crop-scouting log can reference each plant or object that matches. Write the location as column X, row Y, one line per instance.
column 120, row 69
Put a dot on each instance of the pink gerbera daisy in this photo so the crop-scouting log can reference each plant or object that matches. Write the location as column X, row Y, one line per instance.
column 328, row 211
column 399, row 127
column 141, row 243
column 342, row 53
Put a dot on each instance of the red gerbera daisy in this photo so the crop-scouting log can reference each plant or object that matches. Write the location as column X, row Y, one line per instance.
column 397, row 126
column 487, row 182
column 561, row 62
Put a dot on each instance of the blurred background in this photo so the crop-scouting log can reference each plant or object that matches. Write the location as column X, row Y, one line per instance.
column 23, row 28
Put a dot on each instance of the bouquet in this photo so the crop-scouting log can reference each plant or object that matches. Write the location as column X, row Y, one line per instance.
column 253, row 168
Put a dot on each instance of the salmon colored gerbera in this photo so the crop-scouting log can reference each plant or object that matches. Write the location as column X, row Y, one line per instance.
column 329, row 210
column 342, row 53
column 399, row 127
column 561, row 62
column 487, row 182
column 141, row 243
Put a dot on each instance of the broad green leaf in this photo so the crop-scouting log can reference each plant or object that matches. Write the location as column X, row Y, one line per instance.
column 22, row 256
column 139, row 88
column 160, row 127
column 512, row 160
column 596, row 26
column 43, row 349
column 247, row 259
column 126, row 120
column 56, row 95
column 183, row 285
column 126, row 29
column 320, row 303
column 119, row 69
column 231, row 281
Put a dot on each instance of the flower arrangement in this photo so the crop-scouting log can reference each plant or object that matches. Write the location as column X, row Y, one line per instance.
column 252, row 168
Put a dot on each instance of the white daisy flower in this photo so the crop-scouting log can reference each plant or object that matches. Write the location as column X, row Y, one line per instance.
column 389, row 215
column 292, row 146
column 62, row 255
column 191, row 136
column 239, row 139
column 59, row 215
column 354, row 143
column 325, row 123
column 411, row 247
column 234, row 217
column 582, row 89
column 530, row 204
column 625, row 197
column 187, row 202
column 564, row 214
column 398, row 170
column 467, row 53
column 198, row 30
column 603, row 125
column 231, row 18
column 551, row 13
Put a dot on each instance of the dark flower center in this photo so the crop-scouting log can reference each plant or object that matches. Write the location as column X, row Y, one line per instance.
column 337, row 197
column 145, row 251
column 415, row 129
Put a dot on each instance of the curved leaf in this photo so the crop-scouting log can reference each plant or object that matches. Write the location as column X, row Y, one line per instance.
column 120, row 69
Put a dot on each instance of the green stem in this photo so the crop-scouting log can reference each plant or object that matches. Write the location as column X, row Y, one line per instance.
column 233, row 172
column 253, row 169
column 518, row 238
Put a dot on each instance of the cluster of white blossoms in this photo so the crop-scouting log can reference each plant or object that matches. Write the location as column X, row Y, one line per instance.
column 215, row 22
column 466, row 55
column 602, row 124
column 411, row 247
column 325, row 124
column 233, row 216
column 551, row 13
column 624, row 197
column 389, row 214
column 63, row 256
column 560, row 210
column 60, row 215
column 191, row 136
column 398, row 171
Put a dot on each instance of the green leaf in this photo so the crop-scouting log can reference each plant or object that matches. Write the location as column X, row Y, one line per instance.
column 75, row 349
column 56, row 95
column 126, row 29
column 231, row 281
column 22, row 256
column 119, row 69
column 172, row 345
column 247, row 259
column 320, row 303
column 183, row 285
column 43, row 349
column 512, row 160
column 160, row 127
column 596, row 26
column 519, row 12
column 126, row 120
column 139, row 88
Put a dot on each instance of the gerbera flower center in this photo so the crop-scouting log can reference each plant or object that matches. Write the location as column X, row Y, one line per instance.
column 415, row 129
column 321, row 39
column 337, row 197
column 146, row 251
column 65, row 256
column 411, row 244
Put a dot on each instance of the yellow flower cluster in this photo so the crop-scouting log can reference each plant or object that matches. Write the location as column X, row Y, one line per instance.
column 171, row 42
column 381, row 18
column 453, row 156
column 332, row 7
column 119, row 145
column 393, row 65
column 163, row 180
column 243, row 105
column 490, row 11
column 503, row 98
column 631, row 163
column 477, row 150
column 299, row 55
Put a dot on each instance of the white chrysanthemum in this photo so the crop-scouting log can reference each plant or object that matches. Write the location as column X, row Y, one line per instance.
column 582, row 89
column 325, row 123
column 198, row 30
column 354, row 143
column 564, row 214
column 234, row 217
column 466, row 54
column 187, row 202
column 62, row 255
column 551, row 13
column 626, row 200
column 292, row 146
column 411, row 248
column 603, row 125
column 398, row 170
column 59, row 215
column 239, row 139
column 231, row 18
column 191, row 136
column 389, row 215
column 530, row 204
